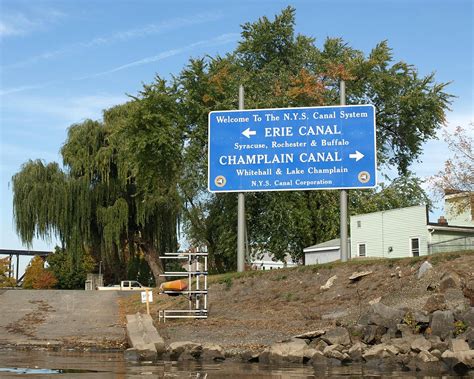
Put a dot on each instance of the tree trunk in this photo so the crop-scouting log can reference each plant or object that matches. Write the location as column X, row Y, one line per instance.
column 154, row 262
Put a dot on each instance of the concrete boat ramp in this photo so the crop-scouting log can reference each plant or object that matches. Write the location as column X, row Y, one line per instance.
column 76, row 318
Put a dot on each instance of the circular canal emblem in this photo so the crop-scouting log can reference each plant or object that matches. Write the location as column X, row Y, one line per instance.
column 363, row 176
column 220, row 181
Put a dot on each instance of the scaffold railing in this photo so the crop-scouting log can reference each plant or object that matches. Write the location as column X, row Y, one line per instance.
column 196, row 291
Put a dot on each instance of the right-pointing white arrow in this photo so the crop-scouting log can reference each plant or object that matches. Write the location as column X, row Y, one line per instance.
column 247, row 132
column 357, row 156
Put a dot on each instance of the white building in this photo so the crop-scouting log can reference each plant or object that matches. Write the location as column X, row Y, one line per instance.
column 403, row 232
column 325, row 252
column 406, row 232
column 265, row 261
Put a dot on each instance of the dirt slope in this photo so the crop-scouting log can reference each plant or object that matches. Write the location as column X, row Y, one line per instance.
column 253, row 309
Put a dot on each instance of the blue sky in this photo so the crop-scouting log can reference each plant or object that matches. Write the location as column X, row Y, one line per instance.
column 64, row 61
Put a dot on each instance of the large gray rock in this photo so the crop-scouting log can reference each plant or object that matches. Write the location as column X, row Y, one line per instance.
column 311, row 335
column 142, row 336
column 426, row 363
column 373, row 333
column 419, row 344
column 449, row 279
column 292, row 351
column 425, row 356
column 406, row 330
column 424, row 268
column 329, row 283
column 335, row 352
column 319, row 360
column 421, row 317
column 380, row 351
column 318, row 344
column 436, row 353
column 460, row 361
column 356, row 351
column 335, row 347
column 458, row 344
column 436, row 302
column 212, row 352
column 469, row 336
column 337, row 335
column 403, row 345
column 383, row 315
column 442, row 324
column 468, row 291
column 437, row 343
column 182, row 350
column 455, row 299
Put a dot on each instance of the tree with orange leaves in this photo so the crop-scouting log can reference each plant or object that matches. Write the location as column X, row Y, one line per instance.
column 37, row 277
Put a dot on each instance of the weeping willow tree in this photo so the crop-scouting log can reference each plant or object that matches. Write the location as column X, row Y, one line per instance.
column 116, row 195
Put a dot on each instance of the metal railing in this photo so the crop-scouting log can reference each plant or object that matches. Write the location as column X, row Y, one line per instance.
column 196, row 290
column 455, row 244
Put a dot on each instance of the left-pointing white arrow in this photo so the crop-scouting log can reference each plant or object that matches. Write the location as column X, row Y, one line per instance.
column 357, row 156
column 247, row 132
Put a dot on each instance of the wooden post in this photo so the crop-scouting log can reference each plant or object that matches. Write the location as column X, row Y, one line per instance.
column 147, row 302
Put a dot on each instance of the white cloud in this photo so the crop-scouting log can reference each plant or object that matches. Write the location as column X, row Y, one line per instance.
column 12, row 90
column 64, row 111
column 220, row 40
column 120, row 36
column 216, row 41
column 17, row 23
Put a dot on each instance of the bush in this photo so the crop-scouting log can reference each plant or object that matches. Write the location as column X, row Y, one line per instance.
column 37, row 277
column 5, row 279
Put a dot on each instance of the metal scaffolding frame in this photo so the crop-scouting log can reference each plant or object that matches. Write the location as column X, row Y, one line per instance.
column 196, row 290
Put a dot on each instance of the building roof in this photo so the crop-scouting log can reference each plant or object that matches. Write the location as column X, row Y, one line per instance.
column 451, row 228
column 334, row 244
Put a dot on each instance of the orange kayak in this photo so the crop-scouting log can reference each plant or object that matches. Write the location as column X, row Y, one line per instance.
column 175, row 285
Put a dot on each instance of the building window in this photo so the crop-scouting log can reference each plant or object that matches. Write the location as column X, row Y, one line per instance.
column 361, row 249
column 359, row 224
column 415, row 246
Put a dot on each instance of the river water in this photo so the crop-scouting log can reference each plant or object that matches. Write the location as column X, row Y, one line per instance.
column 47, row 364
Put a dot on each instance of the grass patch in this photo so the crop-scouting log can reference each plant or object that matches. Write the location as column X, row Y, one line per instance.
column 289, row 296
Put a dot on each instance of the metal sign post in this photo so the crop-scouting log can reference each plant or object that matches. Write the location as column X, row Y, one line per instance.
column 343, row 195
column 241, row 210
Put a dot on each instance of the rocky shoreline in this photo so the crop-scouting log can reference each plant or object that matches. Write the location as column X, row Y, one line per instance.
column 438, row 338
column 411, row 317
column 388, row 338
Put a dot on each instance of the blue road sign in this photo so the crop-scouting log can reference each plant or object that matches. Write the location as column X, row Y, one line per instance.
column 292, row 149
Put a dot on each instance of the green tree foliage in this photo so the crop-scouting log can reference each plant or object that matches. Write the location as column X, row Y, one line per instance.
column 69, row 274
column 128, row 181
column 5, row 278
column 112, row 199
column 38, row 277
column 279, row 68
